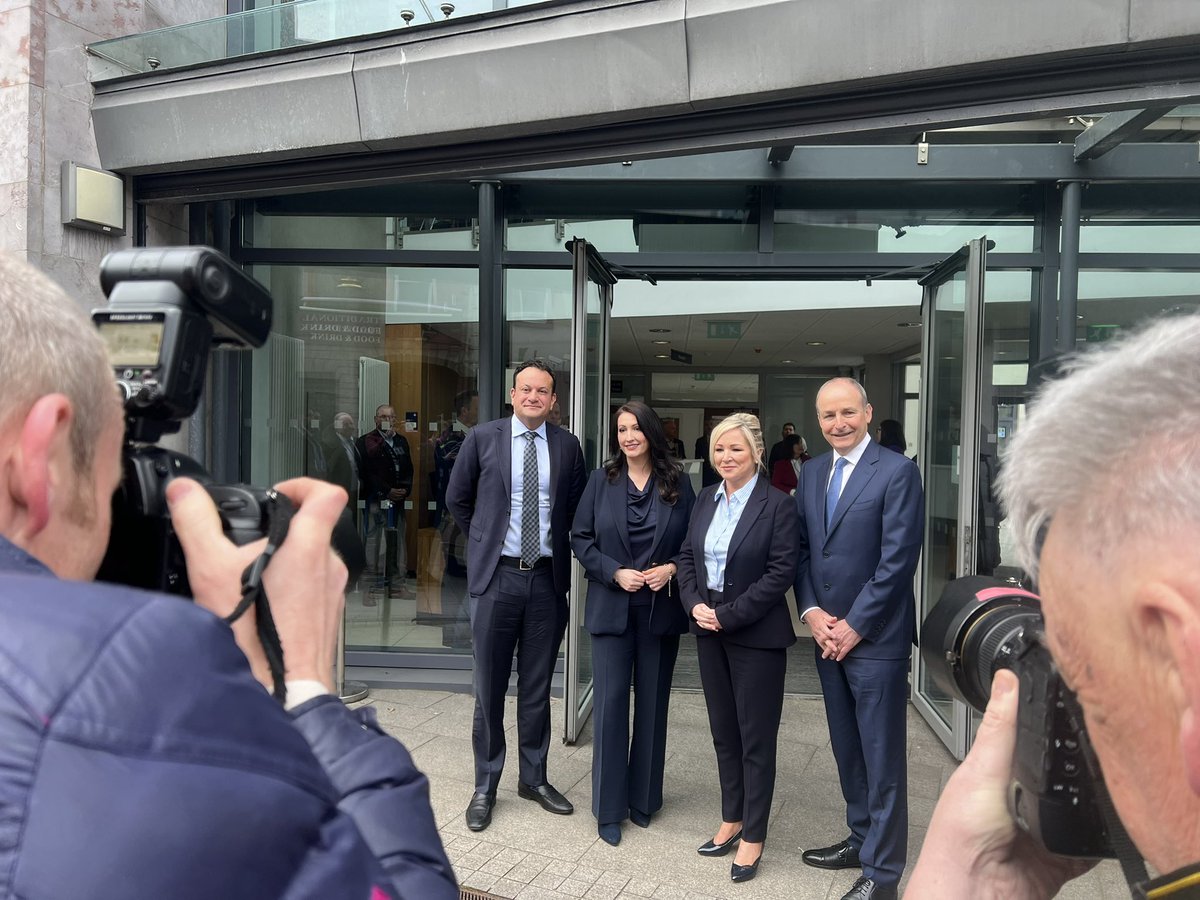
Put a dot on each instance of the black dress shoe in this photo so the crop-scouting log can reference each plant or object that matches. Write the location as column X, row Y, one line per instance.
column 550, row 799
column 711, row 848
column 739, row 874
column 867, row 889
column 839, row 856
column 639, row 818
column 479, row 811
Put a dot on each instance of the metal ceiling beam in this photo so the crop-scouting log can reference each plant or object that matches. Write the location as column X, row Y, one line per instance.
column 1114, row 129
column 780, row 154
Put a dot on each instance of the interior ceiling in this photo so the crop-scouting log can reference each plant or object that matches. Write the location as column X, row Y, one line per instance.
column 768, row 339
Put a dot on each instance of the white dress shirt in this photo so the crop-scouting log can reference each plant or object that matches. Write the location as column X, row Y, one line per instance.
column 512, row 539
column 720, row 531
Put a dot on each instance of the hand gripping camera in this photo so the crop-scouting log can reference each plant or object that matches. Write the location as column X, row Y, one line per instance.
column 1056, row 793
column 167, row 308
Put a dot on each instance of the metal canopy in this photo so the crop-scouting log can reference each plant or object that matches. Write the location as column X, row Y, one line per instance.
column 1113, row 129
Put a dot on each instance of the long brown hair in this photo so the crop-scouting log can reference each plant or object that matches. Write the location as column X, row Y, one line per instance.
column 662, row 464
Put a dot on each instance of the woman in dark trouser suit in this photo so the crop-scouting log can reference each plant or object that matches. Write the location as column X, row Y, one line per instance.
column 735, row 566
column 628, row 527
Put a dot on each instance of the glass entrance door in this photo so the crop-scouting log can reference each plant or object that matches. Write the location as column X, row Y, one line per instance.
column 952, row 306
column 592, row 292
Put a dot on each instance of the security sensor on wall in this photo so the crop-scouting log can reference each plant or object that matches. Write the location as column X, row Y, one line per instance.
column 93, row 199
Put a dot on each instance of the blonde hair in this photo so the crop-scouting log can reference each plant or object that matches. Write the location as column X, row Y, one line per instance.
column 750, row 428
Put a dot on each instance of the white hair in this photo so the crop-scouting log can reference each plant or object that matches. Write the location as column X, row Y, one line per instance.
column 1142, row 393
column 48, row 345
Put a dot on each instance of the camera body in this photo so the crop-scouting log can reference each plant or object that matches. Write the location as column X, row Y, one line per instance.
column 167, row 308
column 1056, row 793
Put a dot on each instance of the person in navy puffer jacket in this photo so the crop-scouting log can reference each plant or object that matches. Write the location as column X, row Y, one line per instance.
column 140, row 756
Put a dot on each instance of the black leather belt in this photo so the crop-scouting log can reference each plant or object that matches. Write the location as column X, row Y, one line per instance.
column 715, row 598
column 515, row 563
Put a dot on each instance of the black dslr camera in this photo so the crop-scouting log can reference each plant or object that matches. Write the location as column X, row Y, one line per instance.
column 167, row 308
column 1056, row 794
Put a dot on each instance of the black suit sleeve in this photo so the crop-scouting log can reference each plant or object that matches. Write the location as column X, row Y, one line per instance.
column 579, row 479
column 689, row 594
column 406, row 465
column 768, row 591
column 597, row 565
column 464, row 483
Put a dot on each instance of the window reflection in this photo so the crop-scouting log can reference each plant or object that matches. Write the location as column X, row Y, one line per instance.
column 370, row 381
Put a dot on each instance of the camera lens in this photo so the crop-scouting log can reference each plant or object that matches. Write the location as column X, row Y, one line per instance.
column 968, row 635
column 214, row 282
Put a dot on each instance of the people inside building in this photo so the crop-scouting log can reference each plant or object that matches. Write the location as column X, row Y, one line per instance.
column 345, row 463
column 388, row 470
column 786, row 472
column 456, row 620
column 143, row 754
column 514, row 489
column 781, row 449
column 1108, row 532
column 890, row 434
column 708, row 475
column 627, row 534
column 674, row 444
column 735, row 567
column 861, row 513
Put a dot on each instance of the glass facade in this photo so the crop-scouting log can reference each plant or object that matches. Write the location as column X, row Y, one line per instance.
column 347, row 341
column 378, row 302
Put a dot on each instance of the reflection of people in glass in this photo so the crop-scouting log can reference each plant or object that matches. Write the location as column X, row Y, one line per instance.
column 341, row 454
column 456, row 624
column 708, row 475
column 628, row 528
column 388, row 473
column 990, row 513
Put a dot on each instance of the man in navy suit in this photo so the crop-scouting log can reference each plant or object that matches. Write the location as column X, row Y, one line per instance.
column 513, row 491
column 861, row 516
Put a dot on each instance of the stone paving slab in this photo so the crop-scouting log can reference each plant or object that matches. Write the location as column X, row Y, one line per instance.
column 529, row 854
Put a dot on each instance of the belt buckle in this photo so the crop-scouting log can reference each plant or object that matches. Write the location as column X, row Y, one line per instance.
column 521, row 565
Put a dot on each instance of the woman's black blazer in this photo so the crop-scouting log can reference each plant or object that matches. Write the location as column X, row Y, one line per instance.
column 600, row 539
column 758, row 572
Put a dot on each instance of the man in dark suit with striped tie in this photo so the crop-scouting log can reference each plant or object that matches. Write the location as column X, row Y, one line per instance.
column 861, row 517
column 513, row 491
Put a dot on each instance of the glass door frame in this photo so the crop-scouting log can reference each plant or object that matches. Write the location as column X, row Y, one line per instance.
column 588, row 269
column 971, row 261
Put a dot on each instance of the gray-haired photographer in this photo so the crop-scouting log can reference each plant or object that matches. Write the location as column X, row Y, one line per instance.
column 140, row 755
column 1110, row 531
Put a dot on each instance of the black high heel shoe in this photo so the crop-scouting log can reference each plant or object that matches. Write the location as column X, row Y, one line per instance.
column 739, row 874
column 711, row 848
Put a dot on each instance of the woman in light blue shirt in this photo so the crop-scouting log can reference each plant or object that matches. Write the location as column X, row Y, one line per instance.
column 735, row 567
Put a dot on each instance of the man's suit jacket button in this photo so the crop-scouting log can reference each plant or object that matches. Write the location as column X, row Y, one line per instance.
column 826, row 554
column 827, row 587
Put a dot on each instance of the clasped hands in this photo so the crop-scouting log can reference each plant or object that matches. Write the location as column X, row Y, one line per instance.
column 655, row 578
column 834, row 636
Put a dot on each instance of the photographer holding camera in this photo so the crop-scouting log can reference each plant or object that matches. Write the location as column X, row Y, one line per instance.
column 1119, row 572
column 139, row 758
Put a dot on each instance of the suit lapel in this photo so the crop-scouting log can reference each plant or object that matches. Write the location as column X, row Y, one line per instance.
column 553, row 442
column 816, row 498
column 504, row 431
column 662, row 519
column 615, row 495
column 755, row 504
column 704, row 517
column 862, row 473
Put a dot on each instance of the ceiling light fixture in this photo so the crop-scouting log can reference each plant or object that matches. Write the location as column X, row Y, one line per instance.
column 660, row 330
column 908, row 324
column 662, row 355
column 816, row 343
column 660, row 342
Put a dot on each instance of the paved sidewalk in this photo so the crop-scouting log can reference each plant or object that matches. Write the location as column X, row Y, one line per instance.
column 529, row 854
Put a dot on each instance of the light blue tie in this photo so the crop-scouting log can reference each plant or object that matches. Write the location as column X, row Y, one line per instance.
column 835, row 490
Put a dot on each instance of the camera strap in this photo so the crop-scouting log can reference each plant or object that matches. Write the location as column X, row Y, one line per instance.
column 279, row 516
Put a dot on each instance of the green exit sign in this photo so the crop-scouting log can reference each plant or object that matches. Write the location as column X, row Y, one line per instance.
column 701, row 376
column 1100, row 333
column 725, row 331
